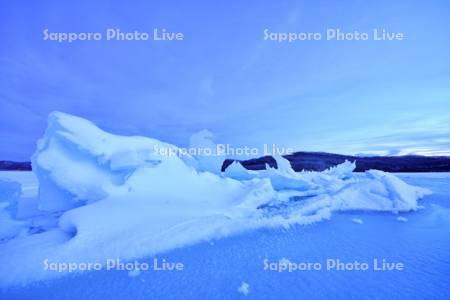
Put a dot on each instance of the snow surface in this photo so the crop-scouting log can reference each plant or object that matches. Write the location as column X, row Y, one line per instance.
column 106, row 196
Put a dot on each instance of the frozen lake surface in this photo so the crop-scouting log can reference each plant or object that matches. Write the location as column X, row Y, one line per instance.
column 233, row 267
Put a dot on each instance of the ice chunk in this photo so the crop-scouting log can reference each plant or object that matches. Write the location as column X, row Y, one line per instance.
column 357, row 221
column 244, row 288
column 237, row 171
column 281, row 179
column 342, row 171
column 206, row 152
column 283, row 165
column 76, row 162
column 403, row 196
column 378, row 191
column 402, row 219
column 285, row 178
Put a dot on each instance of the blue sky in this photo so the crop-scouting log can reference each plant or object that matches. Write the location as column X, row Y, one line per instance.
column 337, row 96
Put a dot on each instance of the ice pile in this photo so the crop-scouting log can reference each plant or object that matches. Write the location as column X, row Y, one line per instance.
column 116, row 197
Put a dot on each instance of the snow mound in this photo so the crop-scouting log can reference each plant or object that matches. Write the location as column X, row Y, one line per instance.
column 116, row 197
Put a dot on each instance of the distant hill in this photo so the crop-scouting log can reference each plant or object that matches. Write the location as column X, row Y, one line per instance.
column 6, row 165
column 319, row 161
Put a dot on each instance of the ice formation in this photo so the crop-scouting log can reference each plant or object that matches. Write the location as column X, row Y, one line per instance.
column 357, row 221
column 9, row 194
column 206, row 151
column 402, row 219
column 116, row 197
column 76, row 162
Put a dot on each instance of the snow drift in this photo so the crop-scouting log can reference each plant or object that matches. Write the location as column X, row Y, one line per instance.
column 116, row 197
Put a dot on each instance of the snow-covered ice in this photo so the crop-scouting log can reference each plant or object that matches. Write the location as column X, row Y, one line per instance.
column 107, row 196
column 202, row 143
